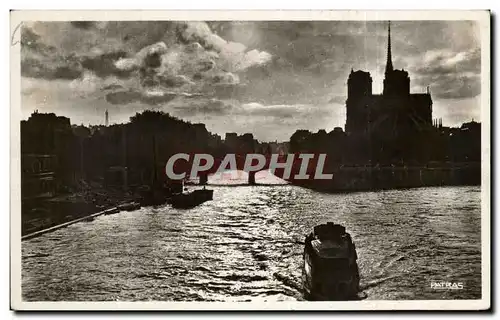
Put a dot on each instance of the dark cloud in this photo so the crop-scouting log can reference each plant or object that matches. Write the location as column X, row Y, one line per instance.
column 123, row 97
column 223, row 79
column 34, row 68
column 103, row 65
column 135, row 35
column 126, row 97
column 39, row 60
column 112, row 87
column 452, row 86
column 449, row 74
column 94, row 46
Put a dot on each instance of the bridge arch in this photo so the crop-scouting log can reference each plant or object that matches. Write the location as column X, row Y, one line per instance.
column 240, row 177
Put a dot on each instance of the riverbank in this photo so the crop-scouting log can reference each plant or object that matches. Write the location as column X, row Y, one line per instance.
column 364, row 178
column 63, row 225
column 46, row 213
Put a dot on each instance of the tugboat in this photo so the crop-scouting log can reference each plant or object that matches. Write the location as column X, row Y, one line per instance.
column 191, row 199
column 330, row 270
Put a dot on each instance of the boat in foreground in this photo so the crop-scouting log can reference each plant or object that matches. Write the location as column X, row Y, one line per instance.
column 330, row 269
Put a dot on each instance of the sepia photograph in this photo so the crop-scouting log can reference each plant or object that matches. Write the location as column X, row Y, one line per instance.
column 319, row 160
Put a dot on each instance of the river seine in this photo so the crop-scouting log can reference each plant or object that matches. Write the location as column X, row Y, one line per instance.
column 245, row 246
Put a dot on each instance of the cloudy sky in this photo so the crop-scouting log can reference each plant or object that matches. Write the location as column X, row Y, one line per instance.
column 268, row 78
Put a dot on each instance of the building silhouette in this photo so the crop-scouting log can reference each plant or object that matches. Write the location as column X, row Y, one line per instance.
column 394, row 113
column 46, row 154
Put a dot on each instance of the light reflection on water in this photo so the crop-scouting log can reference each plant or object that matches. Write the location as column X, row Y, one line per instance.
column 242, row 246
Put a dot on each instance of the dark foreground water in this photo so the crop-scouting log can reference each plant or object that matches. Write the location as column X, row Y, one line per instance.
column 242, row 247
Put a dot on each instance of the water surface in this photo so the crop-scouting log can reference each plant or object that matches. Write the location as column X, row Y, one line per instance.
column 243, row 246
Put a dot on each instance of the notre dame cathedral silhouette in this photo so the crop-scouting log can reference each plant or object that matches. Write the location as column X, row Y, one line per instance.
column 395, row 112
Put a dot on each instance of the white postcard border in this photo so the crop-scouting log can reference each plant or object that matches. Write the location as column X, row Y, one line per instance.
column 17, row 17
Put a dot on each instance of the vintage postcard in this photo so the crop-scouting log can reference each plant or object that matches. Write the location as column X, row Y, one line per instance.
column 250, row 160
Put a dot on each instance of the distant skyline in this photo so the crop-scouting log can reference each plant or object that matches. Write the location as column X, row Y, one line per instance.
column 266, row 78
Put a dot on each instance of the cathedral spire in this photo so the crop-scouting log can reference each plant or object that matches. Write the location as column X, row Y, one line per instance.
column 388, row 66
